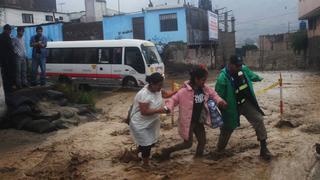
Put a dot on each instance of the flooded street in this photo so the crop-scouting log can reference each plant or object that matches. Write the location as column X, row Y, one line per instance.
column 93, row 150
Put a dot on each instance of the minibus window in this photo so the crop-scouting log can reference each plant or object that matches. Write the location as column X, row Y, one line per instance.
column 72, row 56
column 134, row 59
column 84, row 55
column 111, row 55
column 151, row 54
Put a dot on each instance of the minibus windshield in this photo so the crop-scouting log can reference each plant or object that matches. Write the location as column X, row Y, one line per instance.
column 151, row 54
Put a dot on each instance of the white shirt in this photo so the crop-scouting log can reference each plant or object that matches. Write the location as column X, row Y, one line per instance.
column 145, row 129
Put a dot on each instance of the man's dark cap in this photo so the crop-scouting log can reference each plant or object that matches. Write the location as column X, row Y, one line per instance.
column 237, row 60
column 7, row 27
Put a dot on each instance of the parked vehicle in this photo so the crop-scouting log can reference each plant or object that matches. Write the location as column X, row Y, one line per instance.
column 124, row 62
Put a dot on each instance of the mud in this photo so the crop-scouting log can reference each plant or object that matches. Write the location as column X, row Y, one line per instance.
column 98, row 149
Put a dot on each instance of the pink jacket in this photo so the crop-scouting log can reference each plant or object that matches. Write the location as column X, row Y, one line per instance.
column 185, row 98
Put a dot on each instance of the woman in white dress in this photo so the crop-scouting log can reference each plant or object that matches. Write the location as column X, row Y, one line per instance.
column 145, row 115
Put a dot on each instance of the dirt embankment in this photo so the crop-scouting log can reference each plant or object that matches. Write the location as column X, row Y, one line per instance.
column 91, row 150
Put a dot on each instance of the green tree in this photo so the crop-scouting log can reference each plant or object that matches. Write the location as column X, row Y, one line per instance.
column 299, row 41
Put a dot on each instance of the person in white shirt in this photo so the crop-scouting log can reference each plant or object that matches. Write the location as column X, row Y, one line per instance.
column 145, row 115
column 21, row 57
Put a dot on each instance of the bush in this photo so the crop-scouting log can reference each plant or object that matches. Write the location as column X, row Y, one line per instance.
column 299, row 41
column 76, row 96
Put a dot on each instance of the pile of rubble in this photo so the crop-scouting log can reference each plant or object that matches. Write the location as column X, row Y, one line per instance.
column 43, row 110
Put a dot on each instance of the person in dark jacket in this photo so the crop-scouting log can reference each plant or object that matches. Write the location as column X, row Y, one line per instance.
column 7, row 60
column 38, row 43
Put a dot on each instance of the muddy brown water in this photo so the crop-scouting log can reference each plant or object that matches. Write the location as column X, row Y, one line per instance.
column 90, row 150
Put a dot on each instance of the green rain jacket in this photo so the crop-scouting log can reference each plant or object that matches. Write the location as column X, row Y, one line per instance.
column 225, row 89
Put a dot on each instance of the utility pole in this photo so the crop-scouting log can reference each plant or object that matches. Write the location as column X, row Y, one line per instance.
column 289, row 27
column 118, row 6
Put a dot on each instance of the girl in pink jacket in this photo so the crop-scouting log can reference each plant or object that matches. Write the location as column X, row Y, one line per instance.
column 193, row 111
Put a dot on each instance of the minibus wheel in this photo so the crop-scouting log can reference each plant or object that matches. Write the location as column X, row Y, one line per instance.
column 129, row 82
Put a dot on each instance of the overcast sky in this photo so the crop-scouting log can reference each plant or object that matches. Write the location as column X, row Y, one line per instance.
column 253, row 17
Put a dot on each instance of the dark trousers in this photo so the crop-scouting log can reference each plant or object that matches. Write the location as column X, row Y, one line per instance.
column 37, row 62
column 254, row 117
column 198, row 129
column 8, row 77
column 145, row 151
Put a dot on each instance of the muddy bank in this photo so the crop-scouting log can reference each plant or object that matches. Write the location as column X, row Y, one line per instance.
column 91, row 150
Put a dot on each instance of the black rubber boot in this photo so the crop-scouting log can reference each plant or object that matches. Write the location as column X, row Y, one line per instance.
column 265, row 154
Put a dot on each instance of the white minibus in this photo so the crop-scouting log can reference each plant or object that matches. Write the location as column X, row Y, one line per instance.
column 124, row 62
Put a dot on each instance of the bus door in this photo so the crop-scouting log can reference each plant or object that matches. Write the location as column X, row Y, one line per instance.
column 134, row 64
column 104, row 66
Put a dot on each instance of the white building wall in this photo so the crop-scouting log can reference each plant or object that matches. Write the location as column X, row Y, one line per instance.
column 100, row 10
column 90, row 10
column 14, row 17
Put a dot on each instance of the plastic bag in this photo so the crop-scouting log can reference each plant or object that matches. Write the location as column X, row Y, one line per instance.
column 215, row 115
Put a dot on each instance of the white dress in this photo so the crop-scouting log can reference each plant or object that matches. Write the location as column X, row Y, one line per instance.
column 145, row 129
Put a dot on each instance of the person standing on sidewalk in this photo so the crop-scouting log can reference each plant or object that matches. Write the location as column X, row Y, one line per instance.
column 39, row 54
column 21, row 57
column 234, row 84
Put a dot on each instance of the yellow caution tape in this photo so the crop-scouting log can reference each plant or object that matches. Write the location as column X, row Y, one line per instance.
column 264, row 90
column 176, row 86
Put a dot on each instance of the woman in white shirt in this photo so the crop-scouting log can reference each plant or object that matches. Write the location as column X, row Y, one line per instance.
column 145, row 115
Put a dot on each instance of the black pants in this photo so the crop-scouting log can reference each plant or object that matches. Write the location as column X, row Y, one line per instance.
column 145, row 151
column 198, row 129
column 8, row 77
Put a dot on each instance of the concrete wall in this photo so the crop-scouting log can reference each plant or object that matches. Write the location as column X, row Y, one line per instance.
column 95, row 10
column 315, row 32
column 274, row 60
column 152, row 24
column 112, row 29
column 307, row 6
column 275, row 53
column 226, row 47
column 14, row 17
column 82, row 31
column 115, row 30
column 184, row 54
column 90, row 10
column 314, row 52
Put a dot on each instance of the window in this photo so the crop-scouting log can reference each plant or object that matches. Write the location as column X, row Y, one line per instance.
column 60, row 18
column 72, row 56
column 312, row 24
column 151, row 54
column 49, row 18
column 111, row 55
column 168, row 22
column 27, row 18
column 134, row 59
column 85, row 55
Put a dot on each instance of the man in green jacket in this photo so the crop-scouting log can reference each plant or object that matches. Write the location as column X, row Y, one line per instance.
column 234, row 85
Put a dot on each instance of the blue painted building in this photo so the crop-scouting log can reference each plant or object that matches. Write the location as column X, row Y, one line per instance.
column 162, row 25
